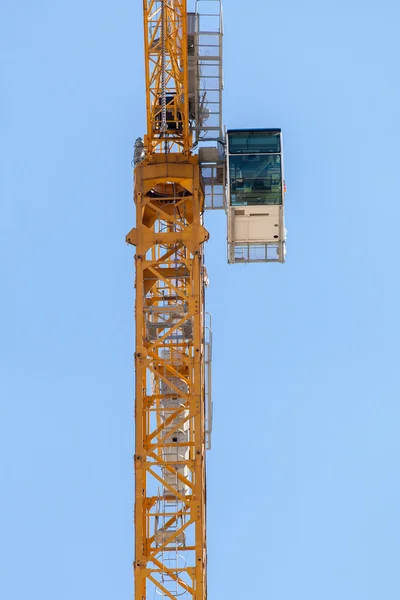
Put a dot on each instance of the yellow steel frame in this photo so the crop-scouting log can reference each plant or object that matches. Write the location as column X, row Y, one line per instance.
column 165, row 45
column 169, row 361
column 170, row 550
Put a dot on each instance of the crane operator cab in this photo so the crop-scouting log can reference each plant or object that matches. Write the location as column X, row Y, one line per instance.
column 255, row 196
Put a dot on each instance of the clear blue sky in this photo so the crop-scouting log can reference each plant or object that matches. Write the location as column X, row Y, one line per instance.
column 303, row 478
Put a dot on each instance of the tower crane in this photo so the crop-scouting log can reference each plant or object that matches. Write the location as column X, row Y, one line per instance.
column 185, row 164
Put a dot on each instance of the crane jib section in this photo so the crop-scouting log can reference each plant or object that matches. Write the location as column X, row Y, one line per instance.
column 170, row 551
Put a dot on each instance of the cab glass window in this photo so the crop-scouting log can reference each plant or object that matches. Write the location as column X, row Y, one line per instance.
column 243, row 142
column 255, row 179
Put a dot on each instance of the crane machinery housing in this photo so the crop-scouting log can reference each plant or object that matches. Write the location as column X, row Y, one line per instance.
column 185, row 164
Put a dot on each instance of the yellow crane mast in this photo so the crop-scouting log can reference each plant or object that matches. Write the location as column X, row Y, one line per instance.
column 241, row 172
column 170, row 552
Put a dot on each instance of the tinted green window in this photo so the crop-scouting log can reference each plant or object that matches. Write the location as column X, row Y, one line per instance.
column 255, row 179
column 242, row 142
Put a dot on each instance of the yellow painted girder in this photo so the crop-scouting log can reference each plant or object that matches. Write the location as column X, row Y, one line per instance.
column 169, row 363
column 166, row 68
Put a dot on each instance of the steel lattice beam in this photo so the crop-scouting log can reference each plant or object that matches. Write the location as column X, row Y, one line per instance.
column 166, row 72
column 170, row 553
